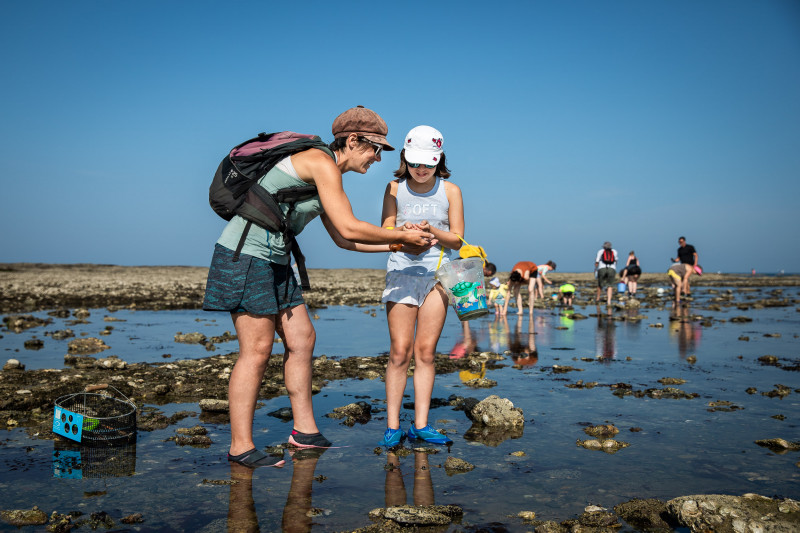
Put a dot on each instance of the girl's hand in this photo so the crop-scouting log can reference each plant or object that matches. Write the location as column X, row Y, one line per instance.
column 421, row 226
column 416, row 242
column 424, row 226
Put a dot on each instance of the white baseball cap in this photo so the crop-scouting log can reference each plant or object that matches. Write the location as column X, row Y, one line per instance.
column 423, row 145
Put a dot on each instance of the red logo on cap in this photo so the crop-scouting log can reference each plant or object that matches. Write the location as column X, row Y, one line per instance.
column 437, row 142
column 434, row 158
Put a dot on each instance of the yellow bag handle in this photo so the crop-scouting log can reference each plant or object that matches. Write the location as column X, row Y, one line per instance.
column 441, row 254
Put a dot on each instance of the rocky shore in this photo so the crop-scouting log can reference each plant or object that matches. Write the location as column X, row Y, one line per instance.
column 26, row 287
column 26, row 396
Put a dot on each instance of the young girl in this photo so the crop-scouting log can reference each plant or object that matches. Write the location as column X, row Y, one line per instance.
column 416, row 304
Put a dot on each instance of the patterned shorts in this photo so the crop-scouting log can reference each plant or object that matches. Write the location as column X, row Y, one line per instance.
column 250, row 284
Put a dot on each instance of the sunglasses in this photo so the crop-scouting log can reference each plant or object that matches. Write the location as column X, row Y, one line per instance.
column 417, row 165
column 375, row 146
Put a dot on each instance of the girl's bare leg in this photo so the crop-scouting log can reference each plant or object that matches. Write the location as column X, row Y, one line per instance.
column 430, row 322
column 401, row 318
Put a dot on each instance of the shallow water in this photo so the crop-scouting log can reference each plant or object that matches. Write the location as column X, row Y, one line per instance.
column 683, row 447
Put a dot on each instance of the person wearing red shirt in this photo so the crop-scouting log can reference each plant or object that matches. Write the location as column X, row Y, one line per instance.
column 523, row 273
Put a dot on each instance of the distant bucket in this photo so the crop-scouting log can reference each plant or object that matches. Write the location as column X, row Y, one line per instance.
column 464, row 283
column 620, row 287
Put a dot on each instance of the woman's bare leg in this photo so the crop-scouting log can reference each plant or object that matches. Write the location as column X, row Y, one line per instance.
column 299, row 338
column 256, row 334
column 531, row 294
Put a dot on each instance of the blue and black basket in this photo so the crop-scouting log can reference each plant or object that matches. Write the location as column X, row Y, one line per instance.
column 100, row 415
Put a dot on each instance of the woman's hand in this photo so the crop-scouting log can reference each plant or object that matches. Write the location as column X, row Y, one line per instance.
column 416, row 241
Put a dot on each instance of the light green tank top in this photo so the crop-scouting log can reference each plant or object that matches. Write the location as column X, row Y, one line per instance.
column 265, row 244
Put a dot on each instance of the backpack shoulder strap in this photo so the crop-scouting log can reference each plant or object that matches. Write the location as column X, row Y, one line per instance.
column 295, row 194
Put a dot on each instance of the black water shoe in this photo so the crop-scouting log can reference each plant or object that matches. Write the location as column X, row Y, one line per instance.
column 309, row 440
column 255, row 458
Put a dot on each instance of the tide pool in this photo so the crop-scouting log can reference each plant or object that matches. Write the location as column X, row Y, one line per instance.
column 701, row 445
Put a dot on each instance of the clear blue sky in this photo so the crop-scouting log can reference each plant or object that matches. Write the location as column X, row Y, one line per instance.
column 565, row 123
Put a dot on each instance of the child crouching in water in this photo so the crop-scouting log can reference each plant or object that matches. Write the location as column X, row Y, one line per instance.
column 416, row 304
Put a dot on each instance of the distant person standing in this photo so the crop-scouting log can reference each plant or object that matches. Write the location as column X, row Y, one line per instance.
column 687, row 255
column 524, row 272
column 630, row 274
column 541, row 279
column 605, row 267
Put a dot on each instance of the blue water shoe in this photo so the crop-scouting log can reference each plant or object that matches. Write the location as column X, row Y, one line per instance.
column 428, row 434
column 392, row 437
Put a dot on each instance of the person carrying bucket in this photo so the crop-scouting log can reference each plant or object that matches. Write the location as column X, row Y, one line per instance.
column 416, row 304
column 630, row 274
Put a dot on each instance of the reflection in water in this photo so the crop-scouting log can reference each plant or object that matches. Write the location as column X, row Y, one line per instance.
column 498, row 333
column 566, row 323
column 544, row 329
column 523, row 347
column 632, row 323
column 605, row 337
column 73, row 461
column 683, row 327
column 395, row 488
column 466, row 344
column 241, row 507
column 469, row 375
column 492, row 436
column 297, row 513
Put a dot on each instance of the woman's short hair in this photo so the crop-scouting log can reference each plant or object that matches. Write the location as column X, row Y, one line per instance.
column 515, row 276
column 338, row 144
column 402, row 172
